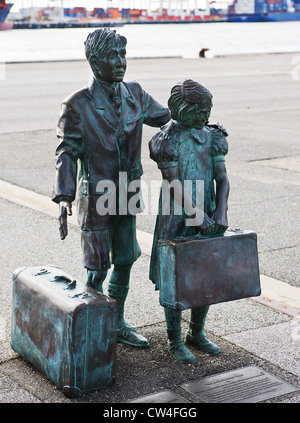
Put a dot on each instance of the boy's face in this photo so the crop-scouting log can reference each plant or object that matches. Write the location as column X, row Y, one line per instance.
column 198, row 117
column 112, row 67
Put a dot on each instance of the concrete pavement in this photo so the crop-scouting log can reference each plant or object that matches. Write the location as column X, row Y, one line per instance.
column 256, row 99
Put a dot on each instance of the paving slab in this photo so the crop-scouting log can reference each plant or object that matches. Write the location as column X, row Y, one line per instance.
column 238, row 316
column 11, row 392
column 279, row 344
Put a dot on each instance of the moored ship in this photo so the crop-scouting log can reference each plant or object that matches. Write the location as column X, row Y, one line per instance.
column 237, row 11
column 264, row 11
column 4, row 11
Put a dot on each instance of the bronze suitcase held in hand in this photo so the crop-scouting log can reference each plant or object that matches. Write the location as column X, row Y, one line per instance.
column 200, row 271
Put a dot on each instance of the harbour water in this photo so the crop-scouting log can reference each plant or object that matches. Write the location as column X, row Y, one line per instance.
column 159, row 40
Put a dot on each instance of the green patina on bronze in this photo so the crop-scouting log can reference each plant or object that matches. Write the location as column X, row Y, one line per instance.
column 188, row 148
column 100, row 133
column 64, row 328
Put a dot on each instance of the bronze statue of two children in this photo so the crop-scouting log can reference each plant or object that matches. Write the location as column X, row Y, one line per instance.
column 100, row 134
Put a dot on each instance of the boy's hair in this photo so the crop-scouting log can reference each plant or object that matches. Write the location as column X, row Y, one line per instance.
column 99, row 42
column 185, row 96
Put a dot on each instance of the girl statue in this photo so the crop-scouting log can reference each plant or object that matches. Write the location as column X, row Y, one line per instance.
column 189, row 149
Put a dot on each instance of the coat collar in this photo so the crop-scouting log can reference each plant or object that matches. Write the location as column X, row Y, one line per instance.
column 102, row 103
column 100, row 96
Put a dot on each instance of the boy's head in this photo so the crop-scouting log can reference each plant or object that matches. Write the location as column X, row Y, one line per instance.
column 190, row 103
column 106, row 52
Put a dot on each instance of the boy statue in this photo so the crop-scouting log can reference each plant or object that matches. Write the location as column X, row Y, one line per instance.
column 100, row 133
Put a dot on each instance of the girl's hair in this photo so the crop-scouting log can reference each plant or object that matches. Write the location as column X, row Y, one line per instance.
column 185, row 96
column 99, row 42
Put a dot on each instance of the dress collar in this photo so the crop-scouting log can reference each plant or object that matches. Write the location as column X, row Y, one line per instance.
column 199, row 135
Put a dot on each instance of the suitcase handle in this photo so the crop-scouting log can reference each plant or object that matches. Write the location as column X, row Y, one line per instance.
column 71, row 283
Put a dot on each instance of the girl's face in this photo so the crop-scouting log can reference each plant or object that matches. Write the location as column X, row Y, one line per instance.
column 198, row 117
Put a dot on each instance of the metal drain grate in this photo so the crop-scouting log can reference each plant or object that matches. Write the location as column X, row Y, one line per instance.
column 245, row 385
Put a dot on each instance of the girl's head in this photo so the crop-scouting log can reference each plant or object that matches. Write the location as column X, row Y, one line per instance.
column 190, row 103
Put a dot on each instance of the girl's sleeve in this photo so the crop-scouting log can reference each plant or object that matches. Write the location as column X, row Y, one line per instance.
column 162, row 151
column 219, row 144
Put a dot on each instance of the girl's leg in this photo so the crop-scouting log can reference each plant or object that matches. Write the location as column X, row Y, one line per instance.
column 176, row 346
column 195, row 335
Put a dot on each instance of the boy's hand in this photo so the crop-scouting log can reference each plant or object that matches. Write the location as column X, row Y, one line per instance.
column 65, row 210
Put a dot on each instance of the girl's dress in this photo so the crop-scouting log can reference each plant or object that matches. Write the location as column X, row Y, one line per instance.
column 194, row 154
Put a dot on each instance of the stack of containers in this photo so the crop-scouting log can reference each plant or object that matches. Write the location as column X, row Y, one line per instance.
column 261, row 6
column 125, row 13
column 297, row 5
column 100, row 13
column 114, row 13
column 244, row 6
column 274, row 5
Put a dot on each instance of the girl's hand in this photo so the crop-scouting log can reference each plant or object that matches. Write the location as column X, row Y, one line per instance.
column 220, row 217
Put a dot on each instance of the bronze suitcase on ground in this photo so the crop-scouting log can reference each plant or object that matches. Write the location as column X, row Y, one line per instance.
column 201, row 271
column 64, row 328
